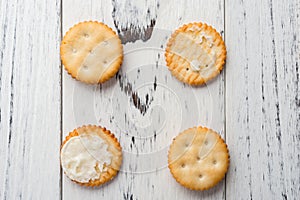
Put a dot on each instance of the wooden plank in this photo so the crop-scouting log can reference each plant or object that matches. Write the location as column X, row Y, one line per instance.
column 175, row 106
column 29, row 99
column 262, row 99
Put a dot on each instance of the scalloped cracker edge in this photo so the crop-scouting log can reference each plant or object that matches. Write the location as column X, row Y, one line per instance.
column 71, row 62
column 111, row 140
column 198, row 158
column 180, row 67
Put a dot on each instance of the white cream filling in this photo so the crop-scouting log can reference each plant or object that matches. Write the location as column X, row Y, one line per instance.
column 199, row 59
column 195, row 65
column 83, row 157
column 208, row 38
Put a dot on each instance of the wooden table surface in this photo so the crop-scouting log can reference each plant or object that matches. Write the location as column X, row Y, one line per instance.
column 254, row 103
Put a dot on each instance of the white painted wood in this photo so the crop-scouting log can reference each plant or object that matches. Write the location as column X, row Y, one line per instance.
column 175, row 106
column 29, row 99
column 262, row 99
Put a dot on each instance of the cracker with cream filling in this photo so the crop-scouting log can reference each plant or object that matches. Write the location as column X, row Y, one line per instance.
column 198, row 158
column 195, row 53
column 91, row 155
column 91, row 52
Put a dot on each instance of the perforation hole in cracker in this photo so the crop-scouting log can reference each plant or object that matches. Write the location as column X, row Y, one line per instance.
column 207, row 153
column 91, row 52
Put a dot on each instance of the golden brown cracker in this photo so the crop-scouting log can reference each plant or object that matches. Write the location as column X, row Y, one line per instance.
column 113, row 147
column 198, row 158
column 195, row 53
column 91, row 52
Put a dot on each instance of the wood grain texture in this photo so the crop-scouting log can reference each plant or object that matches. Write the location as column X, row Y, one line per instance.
column 144, row 105
column 262, row 99
column 29, row 99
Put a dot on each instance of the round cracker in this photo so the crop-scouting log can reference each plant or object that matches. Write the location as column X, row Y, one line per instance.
column 114, row 148
column 198, row 158
column 91, row 52
column 195, row 53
